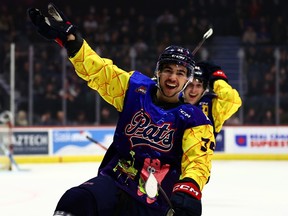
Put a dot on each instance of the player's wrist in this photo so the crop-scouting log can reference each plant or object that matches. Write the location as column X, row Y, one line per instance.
column 71, row 37
column 188, row 188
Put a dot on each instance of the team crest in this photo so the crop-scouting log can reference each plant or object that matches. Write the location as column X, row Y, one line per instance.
column 144, row 133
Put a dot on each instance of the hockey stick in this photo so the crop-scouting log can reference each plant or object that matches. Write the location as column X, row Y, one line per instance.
column 152, row 186
column 205, row 36
column 96, row 142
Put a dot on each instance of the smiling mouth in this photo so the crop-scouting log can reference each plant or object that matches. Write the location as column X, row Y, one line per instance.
column 192, row 96
column 170, row 86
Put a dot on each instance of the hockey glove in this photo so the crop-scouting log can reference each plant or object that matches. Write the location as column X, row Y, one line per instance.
column 53, row 27
column 215, row 72
column 186, row 198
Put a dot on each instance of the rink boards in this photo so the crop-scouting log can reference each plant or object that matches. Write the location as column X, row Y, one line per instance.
column 70, row 144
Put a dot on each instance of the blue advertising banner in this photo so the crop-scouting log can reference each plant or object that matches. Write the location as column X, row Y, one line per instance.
column 79, row 141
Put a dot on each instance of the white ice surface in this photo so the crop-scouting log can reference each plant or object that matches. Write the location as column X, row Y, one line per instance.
column 236, row 188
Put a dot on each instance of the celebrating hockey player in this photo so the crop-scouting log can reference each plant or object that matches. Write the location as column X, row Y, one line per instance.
column 156, row 136
column 210, row 91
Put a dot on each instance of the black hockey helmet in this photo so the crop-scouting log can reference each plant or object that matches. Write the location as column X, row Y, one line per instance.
column 178, row 55
column 201, row 74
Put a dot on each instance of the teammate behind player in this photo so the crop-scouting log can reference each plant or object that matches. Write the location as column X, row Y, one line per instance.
column 156, row 133
column 220, row 101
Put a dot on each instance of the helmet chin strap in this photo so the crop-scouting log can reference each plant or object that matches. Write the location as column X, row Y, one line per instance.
column 204, row 92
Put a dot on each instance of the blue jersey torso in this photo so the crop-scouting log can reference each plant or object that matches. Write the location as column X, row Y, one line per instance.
column 148, row 136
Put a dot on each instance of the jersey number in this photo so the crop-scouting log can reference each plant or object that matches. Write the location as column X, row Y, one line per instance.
column 205, row 109
column 206, row 145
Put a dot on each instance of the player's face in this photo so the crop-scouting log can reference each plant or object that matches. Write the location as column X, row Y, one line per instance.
column 172, row 79
column 193, row 92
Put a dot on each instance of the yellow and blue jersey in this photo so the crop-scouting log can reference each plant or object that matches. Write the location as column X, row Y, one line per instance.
column 220, row 104
column 174, row 143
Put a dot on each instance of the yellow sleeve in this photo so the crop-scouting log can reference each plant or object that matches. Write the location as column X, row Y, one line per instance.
column 225, row 104
column 101, row 75
column 198, row 148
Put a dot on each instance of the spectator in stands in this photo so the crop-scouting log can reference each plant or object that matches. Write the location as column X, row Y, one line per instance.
column 263, row 36
column 268, row 118
column 249, row 36
column 251, row 117
column 283, row 116
column 248, row 13
column 46, row 119
column 279, row 30
column 268, row 84
column 254, row 9
column 81, row 118
column 166, row 22
column 233, row 120
column 51, row 100
column 21, row 118
column 60, row 118
column 106, row 117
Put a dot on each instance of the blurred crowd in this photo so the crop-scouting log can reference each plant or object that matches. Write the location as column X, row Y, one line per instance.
column 133, row 34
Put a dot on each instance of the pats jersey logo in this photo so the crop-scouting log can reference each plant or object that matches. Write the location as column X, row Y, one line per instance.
column 142, row 132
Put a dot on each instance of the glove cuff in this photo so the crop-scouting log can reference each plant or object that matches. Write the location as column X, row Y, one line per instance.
column 73, row 46
column 216, row 75
column 188, row 188
column 220, row 74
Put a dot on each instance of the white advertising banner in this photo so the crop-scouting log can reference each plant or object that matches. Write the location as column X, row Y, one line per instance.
column 256, row 140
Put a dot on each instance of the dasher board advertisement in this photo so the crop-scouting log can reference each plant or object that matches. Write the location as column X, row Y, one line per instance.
column 268, row 140
column 30, row 142
column 81, row 141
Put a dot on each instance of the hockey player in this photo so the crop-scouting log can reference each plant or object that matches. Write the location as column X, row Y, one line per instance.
column 156, row 135
column 211, row 91
column 7, row 147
